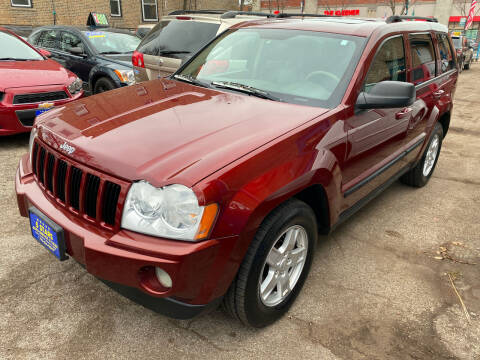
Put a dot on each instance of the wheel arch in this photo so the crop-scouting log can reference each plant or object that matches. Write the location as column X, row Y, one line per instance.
column 98, row 72
column 444, row 120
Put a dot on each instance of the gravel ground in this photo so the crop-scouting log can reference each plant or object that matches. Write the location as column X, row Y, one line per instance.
column 378, row 288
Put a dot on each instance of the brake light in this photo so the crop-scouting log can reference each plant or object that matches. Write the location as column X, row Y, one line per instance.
column 137, row 59
column 184, row 18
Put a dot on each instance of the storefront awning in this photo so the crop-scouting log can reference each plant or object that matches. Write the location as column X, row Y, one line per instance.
column 457, row 18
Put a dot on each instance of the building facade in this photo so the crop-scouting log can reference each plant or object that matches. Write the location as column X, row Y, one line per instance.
column 449, row 12
column 120, row 13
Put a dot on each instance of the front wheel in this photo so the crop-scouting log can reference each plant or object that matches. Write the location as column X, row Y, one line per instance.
column 466, row 66
column 421, row 173
column 275, row 266
column 103, row 84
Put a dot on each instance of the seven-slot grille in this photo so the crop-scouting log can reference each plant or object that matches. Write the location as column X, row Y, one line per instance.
column 82, row 191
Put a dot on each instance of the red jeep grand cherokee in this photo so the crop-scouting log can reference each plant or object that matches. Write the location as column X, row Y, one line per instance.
column 30, row 84
column 212, row 186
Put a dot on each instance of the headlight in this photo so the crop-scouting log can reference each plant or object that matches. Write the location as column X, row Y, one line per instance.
column 75, row 86
column 33, row 135
column 171, row 211
column 126, row 76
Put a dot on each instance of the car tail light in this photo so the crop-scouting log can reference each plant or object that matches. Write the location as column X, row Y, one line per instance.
column 184, row 18
column 137, row 59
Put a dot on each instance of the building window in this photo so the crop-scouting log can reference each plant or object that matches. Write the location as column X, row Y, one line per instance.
column 115, row 8
column 21, row 3
column 149, row 10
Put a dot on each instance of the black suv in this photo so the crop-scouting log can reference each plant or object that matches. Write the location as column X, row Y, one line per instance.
column 100, row 57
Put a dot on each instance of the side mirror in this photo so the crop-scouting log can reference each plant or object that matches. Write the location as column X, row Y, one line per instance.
column 387, row 94
column 45, row 53
column 76, row 51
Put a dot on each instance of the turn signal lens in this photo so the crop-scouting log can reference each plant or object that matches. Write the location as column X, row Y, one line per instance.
column 208, row 219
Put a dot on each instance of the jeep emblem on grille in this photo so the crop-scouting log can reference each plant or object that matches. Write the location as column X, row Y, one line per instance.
column 67, row 148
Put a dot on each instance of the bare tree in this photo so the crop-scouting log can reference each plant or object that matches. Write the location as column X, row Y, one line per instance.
column 463, row 6
column 392, row 4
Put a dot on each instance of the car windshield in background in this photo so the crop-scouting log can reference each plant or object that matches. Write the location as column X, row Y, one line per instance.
column 106, row 42
column 300, row 67
column 14, row 49
column 177, row 38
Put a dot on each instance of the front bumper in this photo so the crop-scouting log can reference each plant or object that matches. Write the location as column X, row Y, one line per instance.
column 126, row 260
column 16, row 119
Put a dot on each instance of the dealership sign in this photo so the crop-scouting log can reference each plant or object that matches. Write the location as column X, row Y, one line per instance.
column 342, row 12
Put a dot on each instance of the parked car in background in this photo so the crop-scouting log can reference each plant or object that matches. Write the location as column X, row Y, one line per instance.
column 100, row 57
column 143, row 30
column 21, row 30
column 30, row 84
column 464, row 52
column 178, row 36
column 211, row 186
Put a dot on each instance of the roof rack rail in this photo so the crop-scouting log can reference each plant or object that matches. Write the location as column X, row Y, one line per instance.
column 232, row 14
column 400, row 18
column 210, row 12
column 286, row 15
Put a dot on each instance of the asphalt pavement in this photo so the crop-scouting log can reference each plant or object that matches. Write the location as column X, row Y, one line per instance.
column 387, row 284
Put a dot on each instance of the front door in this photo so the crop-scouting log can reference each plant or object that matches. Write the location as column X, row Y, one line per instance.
column 375, row 137
column 79, row 64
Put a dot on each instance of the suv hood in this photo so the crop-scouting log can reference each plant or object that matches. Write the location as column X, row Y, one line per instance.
column 16, row 74
column 166, row 131
column 120, row 59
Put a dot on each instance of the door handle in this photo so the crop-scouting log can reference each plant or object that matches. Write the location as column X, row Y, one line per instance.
column 403, row 113
column 438, row 94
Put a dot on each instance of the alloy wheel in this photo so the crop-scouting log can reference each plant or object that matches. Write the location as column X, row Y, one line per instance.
column 283, row 266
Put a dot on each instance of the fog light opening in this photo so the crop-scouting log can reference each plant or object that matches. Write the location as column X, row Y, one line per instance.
column 163, row 278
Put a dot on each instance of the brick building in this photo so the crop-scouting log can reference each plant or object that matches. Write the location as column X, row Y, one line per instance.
column 120, row 13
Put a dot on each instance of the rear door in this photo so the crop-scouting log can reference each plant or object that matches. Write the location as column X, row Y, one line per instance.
column 170, row 43
column 376, row 137
column 422, row 72
column 447, row 71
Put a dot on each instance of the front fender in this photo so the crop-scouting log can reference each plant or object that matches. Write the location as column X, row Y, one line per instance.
column 99, row 71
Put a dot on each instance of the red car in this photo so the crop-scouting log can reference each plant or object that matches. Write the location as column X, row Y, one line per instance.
column 211, row 186
column 30, row 84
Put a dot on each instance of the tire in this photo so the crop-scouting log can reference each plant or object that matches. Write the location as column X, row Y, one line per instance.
column 103, row 84
column 243, row 299
column 466, row 66
column 421, row 173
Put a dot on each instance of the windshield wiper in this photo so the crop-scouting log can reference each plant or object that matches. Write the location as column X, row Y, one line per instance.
column 13, row 59
column 190, row 79
column 111, row 53
column 245, row 89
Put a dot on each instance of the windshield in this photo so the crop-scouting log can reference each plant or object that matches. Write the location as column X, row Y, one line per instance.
column 111, row 42
column 457, row 43
column 177, row 38
column 301, row 67
column 15, row 49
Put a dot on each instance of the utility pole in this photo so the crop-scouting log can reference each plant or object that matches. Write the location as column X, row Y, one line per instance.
column 54, row 13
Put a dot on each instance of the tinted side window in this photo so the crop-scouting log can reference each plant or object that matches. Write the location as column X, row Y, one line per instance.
column 49, row 39
column 388, row 64
column 177, row 38
column 423, row 58
column 70, row 41
column 446, row 54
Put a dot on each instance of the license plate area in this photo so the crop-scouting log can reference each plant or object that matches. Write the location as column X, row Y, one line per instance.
column 47, row 233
